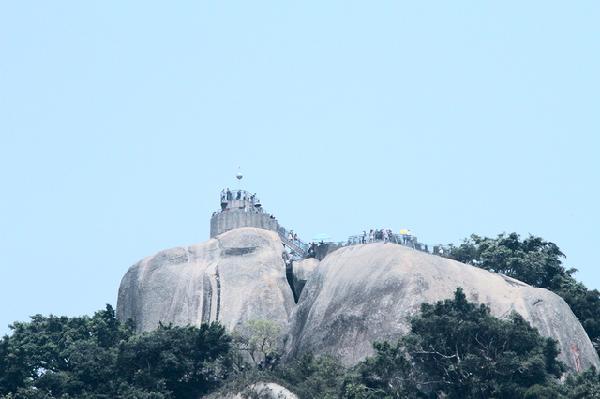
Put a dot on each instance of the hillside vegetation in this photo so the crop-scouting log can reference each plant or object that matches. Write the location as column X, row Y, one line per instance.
column 455, row 349
column 538, row 263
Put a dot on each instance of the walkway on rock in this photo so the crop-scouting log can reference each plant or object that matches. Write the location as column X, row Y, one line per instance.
column 298, row 248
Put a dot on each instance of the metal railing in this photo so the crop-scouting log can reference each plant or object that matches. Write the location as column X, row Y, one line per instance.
column 300, row 250
column 297, row 247
column 238, row 195
column 400, row 239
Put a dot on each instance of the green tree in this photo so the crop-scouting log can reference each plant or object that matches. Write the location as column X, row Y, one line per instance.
column 536, row 262
column 99, row 357
column 532, row 260
column 314, row 377
column 180, row 360
column 458, row 350
column 61, row 355
column 261, row 340
column 584, row 385
column 466, row 352
column 387, row 374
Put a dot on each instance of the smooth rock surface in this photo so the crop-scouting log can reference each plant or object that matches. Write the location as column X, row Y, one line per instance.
column 355, row 296
column 302, row 270
column 236, row 276
column 261, row 390
column 364, row 293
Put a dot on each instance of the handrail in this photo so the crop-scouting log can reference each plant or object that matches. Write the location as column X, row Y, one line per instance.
column 400, row 239
column 297, row 246
column 299, row 249
column 238, row 195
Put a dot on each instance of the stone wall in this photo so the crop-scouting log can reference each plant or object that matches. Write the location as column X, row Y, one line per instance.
column 234, row 219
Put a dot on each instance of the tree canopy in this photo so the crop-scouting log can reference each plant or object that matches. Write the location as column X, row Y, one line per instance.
column 99, row 357
column 457, row 349
column 536, row 262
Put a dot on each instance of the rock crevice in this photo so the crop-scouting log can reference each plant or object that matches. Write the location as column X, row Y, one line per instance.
column 366, row 293
column 205, row 282
column 353, row 297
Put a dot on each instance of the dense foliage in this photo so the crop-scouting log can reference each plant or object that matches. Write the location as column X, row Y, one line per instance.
column 99, row 357
column 458, row 350
column 455, row 349
column 260, row 340
column 538, row 263
column 585, row 385
column 314, row 377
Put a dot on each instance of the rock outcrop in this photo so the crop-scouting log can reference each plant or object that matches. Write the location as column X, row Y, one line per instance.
column 364, row 293
column 301, row 271
column 356, row 295
column 237, row 276
column 260, row 390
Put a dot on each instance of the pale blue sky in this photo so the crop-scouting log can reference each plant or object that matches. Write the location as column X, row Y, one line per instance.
column 121, row 121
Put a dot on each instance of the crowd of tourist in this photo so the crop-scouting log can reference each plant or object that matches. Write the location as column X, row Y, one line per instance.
column 318, row 249
column 385, row 235
column 292, row 236
column 251, row 203
column 228, row 195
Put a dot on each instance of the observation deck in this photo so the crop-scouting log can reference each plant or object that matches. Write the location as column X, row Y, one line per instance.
column 240, row 208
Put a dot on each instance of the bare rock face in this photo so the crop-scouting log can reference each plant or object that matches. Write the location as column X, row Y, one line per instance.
column 365, row 293
column 356, row 295
column 302, row 270
column 232, row 278
column 260, row 390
